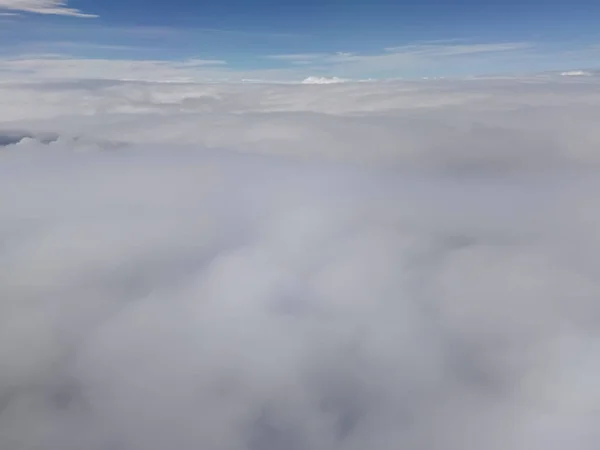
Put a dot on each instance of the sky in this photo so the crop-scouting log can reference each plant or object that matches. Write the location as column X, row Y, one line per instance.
column 389, row 240
column 287, row 40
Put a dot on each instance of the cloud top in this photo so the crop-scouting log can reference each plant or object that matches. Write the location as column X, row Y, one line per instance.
column 290, row 267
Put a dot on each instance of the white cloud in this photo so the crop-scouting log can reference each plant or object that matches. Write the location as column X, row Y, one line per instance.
column 51, row 7
column 62, row 67
column 439, row 49
column 439, row 123
column 173, row 276
column 322, row 80
column 576, row 73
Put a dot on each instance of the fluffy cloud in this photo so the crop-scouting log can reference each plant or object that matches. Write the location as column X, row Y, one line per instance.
column 270, row 267
column 322, row 80
column 53, row 7
column 480, row 124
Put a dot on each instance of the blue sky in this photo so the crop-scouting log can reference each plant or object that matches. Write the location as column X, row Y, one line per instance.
column 376, row 38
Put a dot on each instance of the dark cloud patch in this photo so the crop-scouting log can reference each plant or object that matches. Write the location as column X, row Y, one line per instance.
column 14, row 137
column 26, row 140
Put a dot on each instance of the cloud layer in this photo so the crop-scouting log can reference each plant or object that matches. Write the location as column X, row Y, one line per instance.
column 294, row 267
column 488, row 125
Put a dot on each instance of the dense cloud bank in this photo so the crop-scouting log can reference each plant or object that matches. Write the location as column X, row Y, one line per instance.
column 481, row 125
column 375, row 265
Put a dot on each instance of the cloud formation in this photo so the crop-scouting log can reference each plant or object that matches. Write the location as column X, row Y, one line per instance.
column 414, row 55
column 62, row 60
column 49, row 7
column 298, row 56
column 60, row 67
column 322, row 80
column 420, row 49
column 295, row 267
column 444, row 125
column 454, row 49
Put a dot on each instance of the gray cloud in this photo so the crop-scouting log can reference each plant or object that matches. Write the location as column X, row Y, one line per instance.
column 370, row 265
column 443, row 125
column 10, row 137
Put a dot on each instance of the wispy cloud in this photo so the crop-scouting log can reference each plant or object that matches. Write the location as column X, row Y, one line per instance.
column 409, row 56
column 307, row 58
column 419, row 50
column 160, row 31
column 65, row 61
column 195, row 62
column 58, row 67
column 442, row 49
column 49, row 7
column 54, row 66
column 292, row 57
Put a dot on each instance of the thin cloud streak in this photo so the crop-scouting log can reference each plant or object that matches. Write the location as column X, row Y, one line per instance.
column 46, row 7
column 157, row 31
column 298, row 56
column 459, row 49
column 407, row 56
